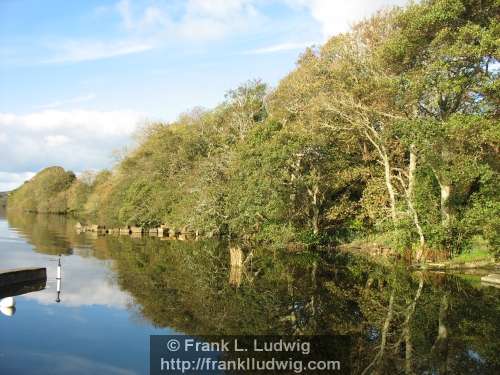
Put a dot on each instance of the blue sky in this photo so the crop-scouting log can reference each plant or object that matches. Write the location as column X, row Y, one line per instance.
column 76, row 78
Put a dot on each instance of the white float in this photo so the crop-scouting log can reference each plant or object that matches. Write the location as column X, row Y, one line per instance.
column 8, row 302
column 8, row 306
column 9, row 311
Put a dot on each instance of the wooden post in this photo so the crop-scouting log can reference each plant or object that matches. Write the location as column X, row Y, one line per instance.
column 236, row 256
column 125, row 230
column 236, row 263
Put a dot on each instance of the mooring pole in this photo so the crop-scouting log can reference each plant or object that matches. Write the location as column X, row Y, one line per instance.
column 58, row 280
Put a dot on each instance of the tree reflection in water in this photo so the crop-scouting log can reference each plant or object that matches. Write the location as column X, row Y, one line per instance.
column 388, row 319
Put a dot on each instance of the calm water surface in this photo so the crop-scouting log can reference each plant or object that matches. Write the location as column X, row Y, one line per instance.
column 116, row 291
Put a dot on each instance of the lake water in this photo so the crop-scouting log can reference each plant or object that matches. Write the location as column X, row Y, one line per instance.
column 116, row 291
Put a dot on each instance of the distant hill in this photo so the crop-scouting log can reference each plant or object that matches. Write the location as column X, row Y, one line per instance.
column 45, row 192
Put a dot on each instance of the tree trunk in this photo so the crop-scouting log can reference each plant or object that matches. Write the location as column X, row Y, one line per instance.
column 315, row 220
column 406, row 327
column 365, row 153
column 408, row 353
column 383, row 339
column 390, row 188
column 440, row 348
column 387, row 170
column 412, row 167
column 236, row 262
column 419, row 230
column 445, row 189
column 445, row 204
column 410, row 194
column 314, row 193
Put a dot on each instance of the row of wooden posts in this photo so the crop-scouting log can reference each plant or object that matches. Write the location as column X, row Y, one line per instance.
column 236, row 256
column 135, row 231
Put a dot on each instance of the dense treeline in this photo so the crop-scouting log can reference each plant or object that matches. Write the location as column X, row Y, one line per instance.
column 390, row 130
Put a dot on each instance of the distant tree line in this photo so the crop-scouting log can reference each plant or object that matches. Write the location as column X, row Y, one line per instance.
column 3, row 199
column 389, row 131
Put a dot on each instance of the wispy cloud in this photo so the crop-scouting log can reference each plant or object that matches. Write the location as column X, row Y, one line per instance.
column 60, row 103
column 151, row 24
column 151, row 16
column 281, row 47
column 197, row 20
column 77, row 50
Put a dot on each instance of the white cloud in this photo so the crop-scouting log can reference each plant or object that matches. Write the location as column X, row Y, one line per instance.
column 92, row 124
column 56, row 140
column 10, row 180
column 289, row 46
column 77, row 140
column 205, row 19
column 81, row 50
column 337, row 16
column 60, row 103
column 60, row 363
column 85, row 280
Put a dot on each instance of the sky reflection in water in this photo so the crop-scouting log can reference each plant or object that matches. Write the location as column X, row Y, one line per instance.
column 95, row 329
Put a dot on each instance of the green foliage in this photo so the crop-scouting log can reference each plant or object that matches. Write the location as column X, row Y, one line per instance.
column 479, row 251
column 390, row 130
column 46, row 192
